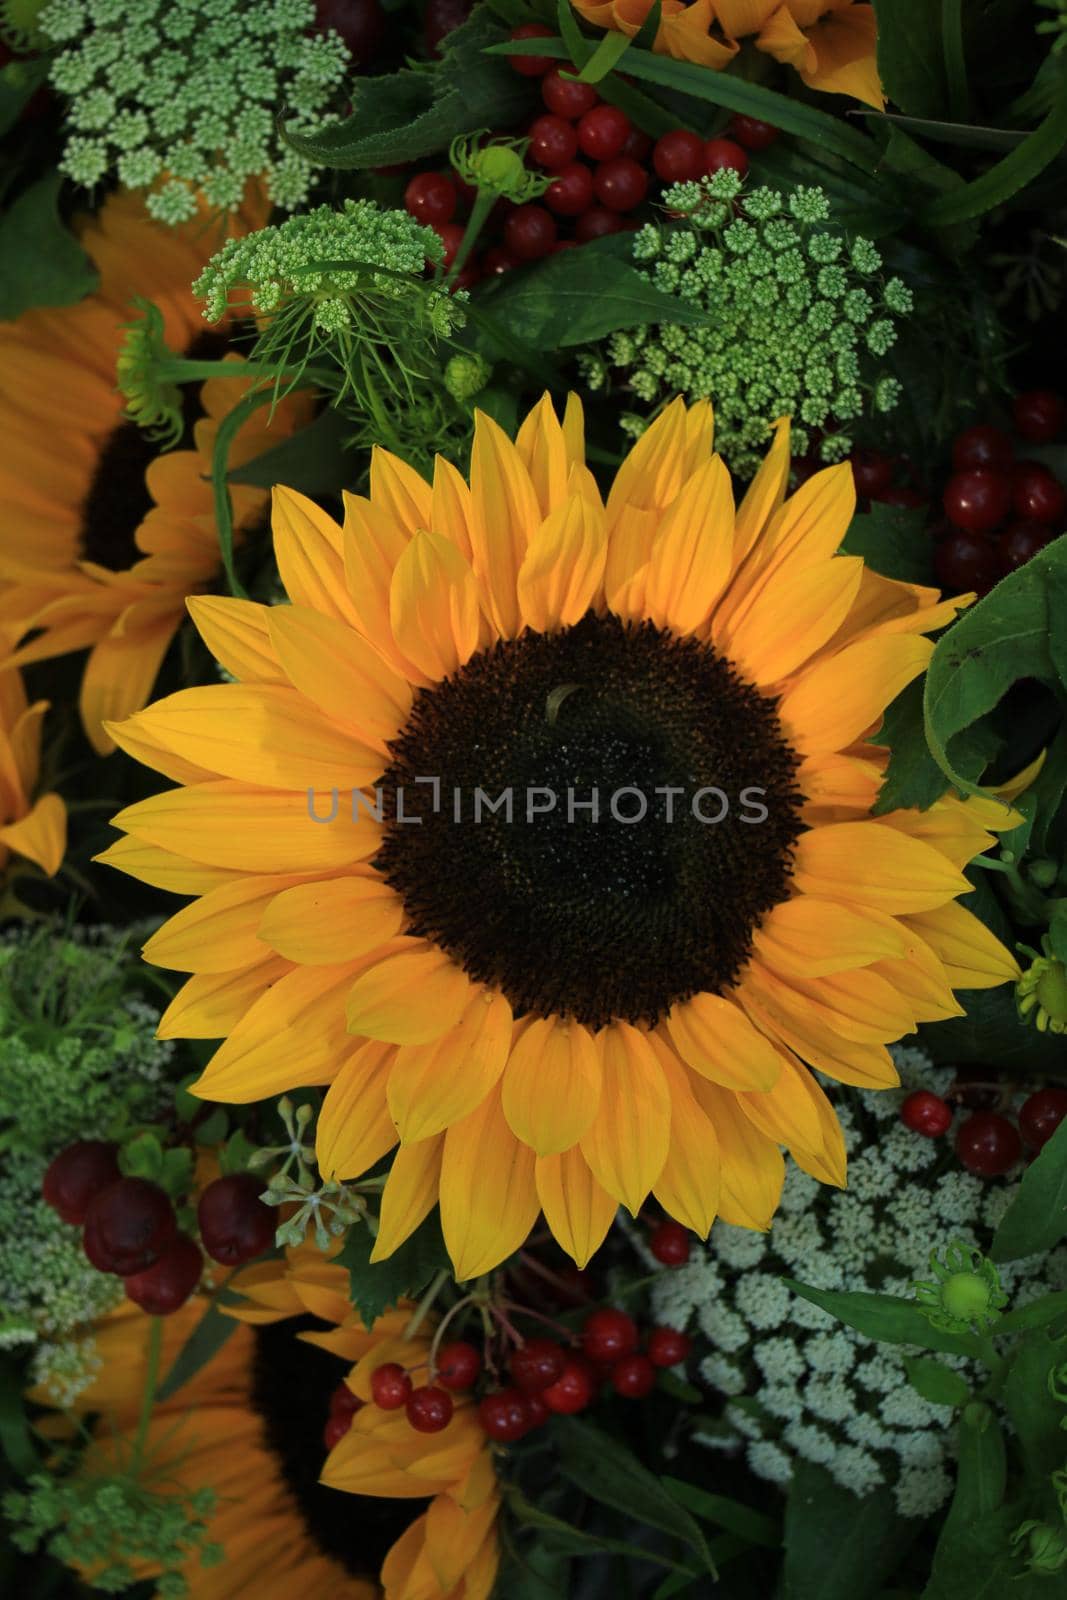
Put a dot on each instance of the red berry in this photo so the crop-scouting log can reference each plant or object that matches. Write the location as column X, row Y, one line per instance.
column 361, row 24
column 536, row 1409
column 721, row 154
column 906, row 497
column 458, row 1365
column 128, row 1226
column 608, row 1334
column 1041, row 1115
column 1039, row 415
column 872, row 473
column 988, row 1144
column 965, row 561
column 451, row 236
column 1038, row 496
column 167, row 1283
column 926, row 1113
column 429, row 1410
column 531, row 66
column 751, row 132
column 596, row 223
column 573, row 1389
column 620, row 184
column 566, row 96
column 553, row 142
column 982, row 446
column 670, row 1244
column 633, row 1377
column 638, row 145
column 530, row 232
column 1019, row 542
column 505, row 1415
column 667, row 1347
column 497, row 261
column 76, row 1174
column 343, row 1403
column 390, row 1386
column 335, row 1430
column 235, row 1224
column 602, row 133
column 678, row 157
column 431, row 197
column 537, row 1364
column 440, row 18
column 977, row 500
column 571, row 190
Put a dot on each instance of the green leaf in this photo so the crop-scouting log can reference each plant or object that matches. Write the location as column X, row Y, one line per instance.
column 886, row 1318
column 176, row 1171
column 838, row 1547
column 19, row 82
column 910, row 58
column 972, row 1559
column 1037, row 1217
column 1038, row 1314
column 1057, row 930
column 610, row 1473
column 407, row 115
column 315, row 460
column 142, row 1157
column 214, row 1127
column 580, row 295
column 913, row 777
column 752, row 1526
column 41, row 262
column 606, row 56
column 566, row 1539
column 1035, row 1417
column 374, row 1288
column 964, row 135
column 893, row 541
column 991, row 1030
column 937, row 1383
column 1012, row 634
column 202, row 1345
column 955, row 59
column 16, row 1439
column 1017, row 169
column 831, row 134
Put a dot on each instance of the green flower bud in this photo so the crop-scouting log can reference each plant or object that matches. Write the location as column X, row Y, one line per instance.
column 1041, row 992
column 965, row 1292
column 466, row 376
column 1046, row 1547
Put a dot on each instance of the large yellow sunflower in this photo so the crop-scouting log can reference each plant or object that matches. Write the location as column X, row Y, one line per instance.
column 830, row 43
column 555, row 1012
column 249, row 1426
column 101, row 536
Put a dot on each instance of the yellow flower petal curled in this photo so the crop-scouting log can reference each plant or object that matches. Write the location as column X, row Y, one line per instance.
column 563, row 566
column 433, row 605
column 714, row 1038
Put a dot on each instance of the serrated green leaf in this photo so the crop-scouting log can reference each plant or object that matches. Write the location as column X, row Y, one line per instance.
column 214, row 1127
column 886, row 1318
column 610, row 1473
column 837, row 1546
column 176, row 1171
column 407, row 115
column 142, row 1157
column 1037, row 1217
column 375, row 1288
column 41, row 262
column 913, row 777
column 581, row 295
column 893, row 541
column 937, row 1383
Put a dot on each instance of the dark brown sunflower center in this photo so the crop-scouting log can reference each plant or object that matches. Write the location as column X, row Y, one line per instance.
column 612, row 813
column 291, row 1388
column 117, row 500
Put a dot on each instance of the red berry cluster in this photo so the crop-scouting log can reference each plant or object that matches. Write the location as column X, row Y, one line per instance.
column 987, row 1142
column 599, row 165
column 130, row 1227
column 547, row 1377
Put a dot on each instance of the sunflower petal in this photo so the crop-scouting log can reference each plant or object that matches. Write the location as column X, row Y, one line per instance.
column 563, row 567
column 292, row 1035
column 867, row 863
column 505, row 517
column 340, row 672
column 237, row 632
column 411, row 997
column 409, row 1194
column 354, row 1128
column 807, row 938
column 973, row 956
column 218, row 932
column 717, row 1040
column 551, row 1088
column 433, row 606
column 399, row 490
column 626, row 1145
column 793, row 618
column 688, row 1186
column 752, row 1169
column 576, row 1208
column 839, row 698
column 337, row 919
column 308, row 548
column 432, row 1086
column 488, row 1196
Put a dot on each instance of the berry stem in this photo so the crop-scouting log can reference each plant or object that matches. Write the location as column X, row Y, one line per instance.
column 561, row 1287
column 421, row 1311
column 468, row 1299
column 538, row 1316
column 148, row 1396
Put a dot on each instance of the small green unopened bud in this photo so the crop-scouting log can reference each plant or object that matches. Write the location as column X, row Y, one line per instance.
column 965, row 1296
column 1043, row 873
column 497, row 169
column 1041, row 992
column 965, row 1292
column 467, row 375
column 1046, row 1546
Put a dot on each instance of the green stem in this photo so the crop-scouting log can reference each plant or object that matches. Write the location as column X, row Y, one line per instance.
column 483, row 204
column 148, row 1396
column 179, row 370
column 421, row 1311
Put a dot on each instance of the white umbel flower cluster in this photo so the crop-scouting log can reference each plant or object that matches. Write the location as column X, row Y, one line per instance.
column 800, row 1384
column 182, row 96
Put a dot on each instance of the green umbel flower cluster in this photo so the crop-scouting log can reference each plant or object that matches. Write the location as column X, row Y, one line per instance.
column 181, row 96
column 299, row 260
column 78, row 1060
column 114, row 1526
column 798, row 319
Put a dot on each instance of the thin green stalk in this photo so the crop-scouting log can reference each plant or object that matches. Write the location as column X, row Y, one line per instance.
column 483, row 203
column 422, row 1310
column 148, row 1396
